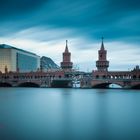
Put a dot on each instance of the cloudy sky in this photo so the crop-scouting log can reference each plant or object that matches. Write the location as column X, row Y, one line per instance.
column 42, row 26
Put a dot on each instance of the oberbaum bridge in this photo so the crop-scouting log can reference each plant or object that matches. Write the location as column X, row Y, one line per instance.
column 66, row 77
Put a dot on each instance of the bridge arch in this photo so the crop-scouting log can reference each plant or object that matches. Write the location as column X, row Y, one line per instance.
column 4, row 84
column 137, row 86
column 107, row 85
column 28, row 84
column 114, row 85
column 101, row 85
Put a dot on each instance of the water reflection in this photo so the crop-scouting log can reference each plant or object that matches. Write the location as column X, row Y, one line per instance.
column 35, row 113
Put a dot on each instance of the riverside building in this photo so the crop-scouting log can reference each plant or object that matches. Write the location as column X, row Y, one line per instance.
column 14, row 59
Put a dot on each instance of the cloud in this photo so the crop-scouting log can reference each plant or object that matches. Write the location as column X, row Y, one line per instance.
column 46, row 24
column 121, row 55
column 15, row 7
column 113, row 19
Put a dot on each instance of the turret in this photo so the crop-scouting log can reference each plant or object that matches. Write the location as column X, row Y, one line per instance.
column 66, row 63
column 102, row 64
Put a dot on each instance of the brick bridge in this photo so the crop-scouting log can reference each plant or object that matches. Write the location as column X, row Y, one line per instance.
column 100, row 78
column 56, row 78
column 30, row 79
column 125, row 79
column 103, row 78
column 52, row 78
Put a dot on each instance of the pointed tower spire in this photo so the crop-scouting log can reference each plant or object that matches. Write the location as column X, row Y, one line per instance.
column 102, row 64
column 66, row 49
column 102, row 45
column 66, row 62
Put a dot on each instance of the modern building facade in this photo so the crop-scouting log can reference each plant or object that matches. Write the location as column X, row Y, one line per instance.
column 14, row 59
column 66, row 64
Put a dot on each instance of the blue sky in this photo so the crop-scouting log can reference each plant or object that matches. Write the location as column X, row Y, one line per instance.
column 42, row 26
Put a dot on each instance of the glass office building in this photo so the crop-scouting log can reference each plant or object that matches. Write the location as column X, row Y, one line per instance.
column 16, row 59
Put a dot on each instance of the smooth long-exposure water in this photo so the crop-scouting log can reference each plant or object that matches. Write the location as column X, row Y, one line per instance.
column 69, row 114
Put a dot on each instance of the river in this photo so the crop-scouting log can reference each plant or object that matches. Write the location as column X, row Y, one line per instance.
column 69, row 114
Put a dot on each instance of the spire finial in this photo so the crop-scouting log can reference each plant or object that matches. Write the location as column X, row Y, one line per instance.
column 66, row 42
column 102, row 45
column 102, row 39
column 66, row 49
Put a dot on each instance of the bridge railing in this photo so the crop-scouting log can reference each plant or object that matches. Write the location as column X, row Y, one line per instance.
column 117, row 79
column 62, row 78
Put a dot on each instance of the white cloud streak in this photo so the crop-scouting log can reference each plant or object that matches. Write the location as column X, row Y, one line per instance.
column 84, row 52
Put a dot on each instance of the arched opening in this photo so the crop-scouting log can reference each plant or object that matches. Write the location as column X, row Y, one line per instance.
column 108, row 85
column 56, row 83
column 5, row 85
column 134, row 77
column 136, row 86
column 114, row 86
column 102, row 85
column 28, row 84
column 97, row 76
column 104, row 76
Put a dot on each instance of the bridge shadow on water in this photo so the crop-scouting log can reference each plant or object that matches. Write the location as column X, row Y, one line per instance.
column 5, row 85
column 136, row 87
column 65, row 85
column 108, row 86
column 28, row 84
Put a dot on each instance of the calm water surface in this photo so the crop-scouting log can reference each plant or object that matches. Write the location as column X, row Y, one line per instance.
column 69, row 114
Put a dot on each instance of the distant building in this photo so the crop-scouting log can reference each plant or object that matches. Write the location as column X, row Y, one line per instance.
column 66, row 63
column 47, row 63
column 14, row 59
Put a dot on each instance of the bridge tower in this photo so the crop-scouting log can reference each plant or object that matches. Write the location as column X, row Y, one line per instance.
column 102, row 64
column 66, row 64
